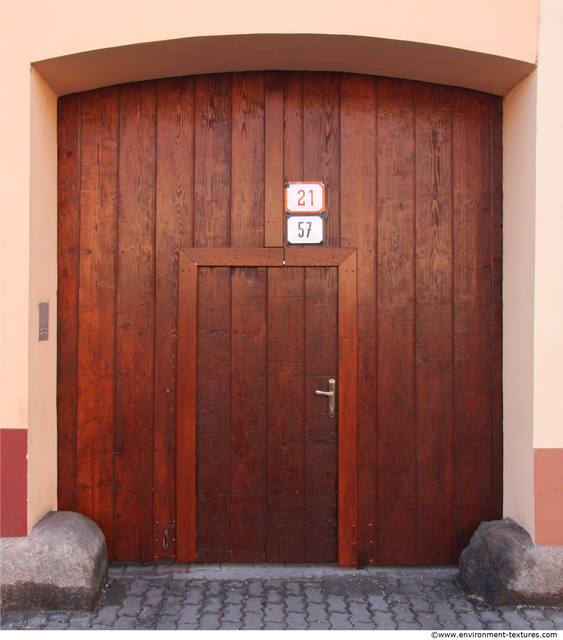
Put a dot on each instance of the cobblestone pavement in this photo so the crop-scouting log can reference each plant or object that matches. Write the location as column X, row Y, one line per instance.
column 285, row 597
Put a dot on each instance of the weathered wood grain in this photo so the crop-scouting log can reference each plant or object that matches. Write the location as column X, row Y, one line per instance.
column 247, row 160
column 134, row 433
column 321, row 144
column 249, row 411
column 212, row 161
column 358, row 130
column 322, row 436
column 174, row 229
column 348, row 413
column 273, row 161
column 213, row 458
column 236, row 257
column 472, row 313
column 185, row 436
column 496, row 300
column 286, row 427
column 69, row 126
column 434, row 325
column 96, row 310
column 313, row 257
column 293, row 127
column 396, row 324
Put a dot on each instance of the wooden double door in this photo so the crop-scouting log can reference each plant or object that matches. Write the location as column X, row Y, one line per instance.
column 265, row 474
column 190, row 336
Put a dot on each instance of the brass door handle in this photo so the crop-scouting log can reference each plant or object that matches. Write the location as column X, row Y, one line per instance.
column 331, row 394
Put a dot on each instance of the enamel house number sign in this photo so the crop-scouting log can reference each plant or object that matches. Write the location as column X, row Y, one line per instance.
column 304, row 206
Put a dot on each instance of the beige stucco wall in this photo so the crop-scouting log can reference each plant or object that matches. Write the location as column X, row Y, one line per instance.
column 548, row 321
column 519, row 142
column 42, row 434
column 485, row 44
column 51, row 29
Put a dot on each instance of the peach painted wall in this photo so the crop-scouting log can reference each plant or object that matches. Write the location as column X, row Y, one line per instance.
column 519, row 148
column 548, row 306
column 485, row 44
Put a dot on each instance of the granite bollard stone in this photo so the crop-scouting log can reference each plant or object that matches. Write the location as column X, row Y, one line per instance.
column 62, row 564
column 503, row 566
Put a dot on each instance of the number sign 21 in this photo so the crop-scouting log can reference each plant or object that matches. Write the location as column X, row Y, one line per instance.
column 304, row 197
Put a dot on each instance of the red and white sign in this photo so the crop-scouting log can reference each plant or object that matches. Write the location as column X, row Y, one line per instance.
column 305, row 197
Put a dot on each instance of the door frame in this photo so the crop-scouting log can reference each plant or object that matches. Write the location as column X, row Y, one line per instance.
column 346, row 262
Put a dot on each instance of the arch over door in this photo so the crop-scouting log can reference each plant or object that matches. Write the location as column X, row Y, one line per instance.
column 413, row 176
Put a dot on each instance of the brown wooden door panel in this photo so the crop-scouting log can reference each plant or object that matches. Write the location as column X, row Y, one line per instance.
column 269, row 460
column 413, row 174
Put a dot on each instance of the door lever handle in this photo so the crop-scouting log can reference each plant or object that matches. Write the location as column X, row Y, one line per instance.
column 331, row 394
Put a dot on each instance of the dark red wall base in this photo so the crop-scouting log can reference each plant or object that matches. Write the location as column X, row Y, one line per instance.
column 13, row 452
column 548, row 484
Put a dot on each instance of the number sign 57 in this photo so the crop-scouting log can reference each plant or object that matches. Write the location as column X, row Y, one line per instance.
column 307, row 229
column 304, row 197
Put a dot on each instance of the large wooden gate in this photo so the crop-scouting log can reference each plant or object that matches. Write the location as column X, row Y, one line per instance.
column 413, row 181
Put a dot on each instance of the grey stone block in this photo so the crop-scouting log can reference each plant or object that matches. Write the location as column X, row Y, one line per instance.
column 362, row 626
column 339, row 621
column 471, row 621
column 124, row 623
column 318, row 625
column 273, row 613
column 503, row 566
column 336, row 604
column 210, row 621
column 294, row 604
column 383, row 620
column 274, row 626
column 252, row 621
column 62, row 564
column 227, row 625
column 296, row 620
column 166, row 623
column 359, row 612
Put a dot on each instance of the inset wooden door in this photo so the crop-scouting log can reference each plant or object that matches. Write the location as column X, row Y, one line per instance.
column 264, row 474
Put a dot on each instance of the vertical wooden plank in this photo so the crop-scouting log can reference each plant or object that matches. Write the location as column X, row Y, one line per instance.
column 472, row 312
column 213, row 415
column 496, row 179
column 212, row 189
column 321, row 139
column 348, row 413
column 247, row 164
column 358, row 129
column 135, row 322
column 396, row 324
column 186, row 411
column 68, row 230
column 293, row 127
column 174, row 229
column 273, row 166
column 248, row 414
column 96, row 310
column 286, row 416
column 434, row 329
column 322, row 438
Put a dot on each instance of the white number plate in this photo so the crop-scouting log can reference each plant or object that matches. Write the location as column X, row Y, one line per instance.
column 305, row 197
column 305, row 229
